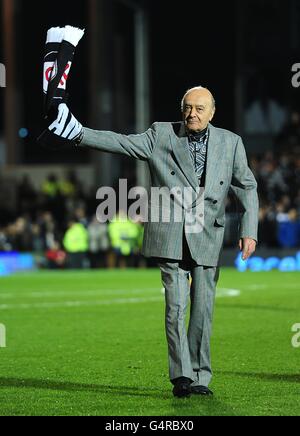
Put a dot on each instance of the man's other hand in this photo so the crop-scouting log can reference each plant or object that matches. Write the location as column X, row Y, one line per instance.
column 248, row 247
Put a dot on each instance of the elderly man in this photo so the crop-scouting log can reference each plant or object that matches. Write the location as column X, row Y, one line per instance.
column 190, row 154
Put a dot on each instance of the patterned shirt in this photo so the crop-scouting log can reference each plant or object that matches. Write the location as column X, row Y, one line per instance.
column 198, row 143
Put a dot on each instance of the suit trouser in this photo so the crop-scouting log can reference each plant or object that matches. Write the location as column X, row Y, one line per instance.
column 189, row 352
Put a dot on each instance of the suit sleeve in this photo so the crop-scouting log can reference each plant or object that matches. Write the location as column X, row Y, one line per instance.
column 136, row 146
column 244, row 187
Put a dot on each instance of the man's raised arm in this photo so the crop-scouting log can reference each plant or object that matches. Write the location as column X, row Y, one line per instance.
column 67, row 131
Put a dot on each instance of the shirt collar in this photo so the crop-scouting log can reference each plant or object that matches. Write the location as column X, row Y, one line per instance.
column 197, row 137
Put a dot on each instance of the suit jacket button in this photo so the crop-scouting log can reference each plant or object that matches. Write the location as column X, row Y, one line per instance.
column 173, row 173
column 221, row 183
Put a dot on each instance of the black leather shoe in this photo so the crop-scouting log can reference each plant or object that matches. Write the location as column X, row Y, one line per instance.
column 182, row 387
column 201, row 390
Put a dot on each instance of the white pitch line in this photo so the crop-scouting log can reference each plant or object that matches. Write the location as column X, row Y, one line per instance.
column 5, row 296
column 224, row 292
column 221, row 293
column 96, row 292
column 23, row 306
column 256, row 287
column 259, row 287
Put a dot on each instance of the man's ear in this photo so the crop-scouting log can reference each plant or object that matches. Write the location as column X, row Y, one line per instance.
column 212, row 115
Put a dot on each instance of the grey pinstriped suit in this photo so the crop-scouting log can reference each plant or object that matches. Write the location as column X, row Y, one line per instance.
column 165, row 148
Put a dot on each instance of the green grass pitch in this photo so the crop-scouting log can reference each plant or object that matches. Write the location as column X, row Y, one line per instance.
column 93, row 343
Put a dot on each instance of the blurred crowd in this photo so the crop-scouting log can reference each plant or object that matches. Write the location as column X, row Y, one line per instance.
column 58, row 221
column 278, row 176
column 59, row 225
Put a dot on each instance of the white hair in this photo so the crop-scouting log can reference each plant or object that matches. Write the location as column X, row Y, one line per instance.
column 197, row 88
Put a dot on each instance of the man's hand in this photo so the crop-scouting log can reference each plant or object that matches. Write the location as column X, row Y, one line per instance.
column 64, row 131
column 66, row 126
column 248, row 247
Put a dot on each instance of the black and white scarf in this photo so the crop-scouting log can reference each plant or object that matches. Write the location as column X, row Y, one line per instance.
column 65, row 130
column 59, row 53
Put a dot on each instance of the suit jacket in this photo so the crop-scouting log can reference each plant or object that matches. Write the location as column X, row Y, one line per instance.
column 165, row 148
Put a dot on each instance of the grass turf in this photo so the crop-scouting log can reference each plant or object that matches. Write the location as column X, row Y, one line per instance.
column 93, row 343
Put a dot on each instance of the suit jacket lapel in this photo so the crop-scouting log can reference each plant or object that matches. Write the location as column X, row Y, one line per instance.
column 214, row 158
column 180, row 147
column 181, row 151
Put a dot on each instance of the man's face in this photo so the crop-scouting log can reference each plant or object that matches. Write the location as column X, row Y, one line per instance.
column 198, row 110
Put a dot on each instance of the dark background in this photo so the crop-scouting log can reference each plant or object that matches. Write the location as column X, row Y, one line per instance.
column 191, row 43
